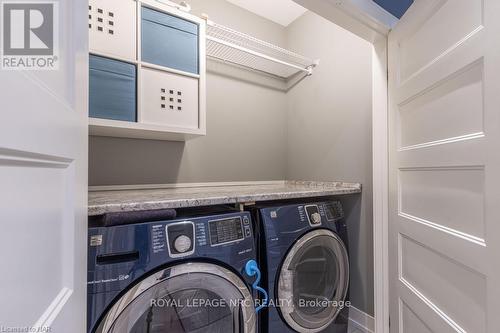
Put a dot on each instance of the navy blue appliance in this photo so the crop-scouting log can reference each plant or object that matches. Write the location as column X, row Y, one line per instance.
column 183, row 275
column 306, row 268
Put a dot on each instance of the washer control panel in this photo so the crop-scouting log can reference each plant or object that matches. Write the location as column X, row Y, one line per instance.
column 184, row 238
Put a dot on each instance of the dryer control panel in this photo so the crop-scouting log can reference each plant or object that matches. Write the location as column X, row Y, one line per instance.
column 319, row 213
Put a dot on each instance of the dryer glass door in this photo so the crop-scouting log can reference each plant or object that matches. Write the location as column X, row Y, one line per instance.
column 193, row 297
column 313, row 281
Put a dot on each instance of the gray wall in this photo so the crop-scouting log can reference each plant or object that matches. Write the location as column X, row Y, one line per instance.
column 329, row 131
column 246, row 132
column 320, row 130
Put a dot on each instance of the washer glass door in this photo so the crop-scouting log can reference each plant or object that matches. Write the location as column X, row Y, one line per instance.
column 193, row 297
column 313, row 281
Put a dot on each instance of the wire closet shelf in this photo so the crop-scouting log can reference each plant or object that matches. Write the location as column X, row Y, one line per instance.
column 234, row 47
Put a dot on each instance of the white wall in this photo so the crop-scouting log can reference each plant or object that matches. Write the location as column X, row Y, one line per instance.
column 329, row 131
column 246, row 132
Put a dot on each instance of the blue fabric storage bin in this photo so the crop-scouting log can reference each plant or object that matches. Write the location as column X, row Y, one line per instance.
column 169, row 41
column 112, row 93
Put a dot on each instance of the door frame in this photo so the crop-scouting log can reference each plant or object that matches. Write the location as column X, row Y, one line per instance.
column 380, row 164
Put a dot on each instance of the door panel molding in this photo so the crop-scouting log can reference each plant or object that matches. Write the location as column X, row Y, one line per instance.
column 464, row 19
column 19, row 157
column 430, row 314
column 59, row 173
column 55, row 307
column 443, row 125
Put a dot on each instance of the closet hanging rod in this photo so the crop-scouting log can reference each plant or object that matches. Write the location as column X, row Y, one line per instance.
column 235, row 47
column 262, row 55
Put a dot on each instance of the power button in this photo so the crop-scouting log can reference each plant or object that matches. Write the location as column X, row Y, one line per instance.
column 246, row 220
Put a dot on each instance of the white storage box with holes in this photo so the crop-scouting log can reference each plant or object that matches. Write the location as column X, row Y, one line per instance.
column 167, row 47
column 112, row 28
column 169, row 99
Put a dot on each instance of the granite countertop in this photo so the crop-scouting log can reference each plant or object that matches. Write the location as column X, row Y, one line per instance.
column 101, row 202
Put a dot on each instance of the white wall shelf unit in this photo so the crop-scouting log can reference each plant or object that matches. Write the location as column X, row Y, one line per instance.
column 237, row 48
column 137, row 130
column 159, row 51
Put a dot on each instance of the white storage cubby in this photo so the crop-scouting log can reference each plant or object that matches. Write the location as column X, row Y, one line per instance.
column 170, row 100
column 112, row 28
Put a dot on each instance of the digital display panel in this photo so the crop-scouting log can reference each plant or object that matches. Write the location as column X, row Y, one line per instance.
column 330, row 212
column 225, row 231
column 334, row 210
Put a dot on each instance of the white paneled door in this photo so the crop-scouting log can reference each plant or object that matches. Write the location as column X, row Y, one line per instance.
column 444, row 210
column 43, row 173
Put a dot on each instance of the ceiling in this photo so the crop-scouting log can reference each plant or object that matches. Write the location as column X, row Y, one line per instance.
column 395, row 7
column 282, row 12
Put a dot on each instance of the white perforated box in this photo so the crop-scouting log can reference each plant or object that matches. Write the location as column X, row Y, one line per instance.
column 112, row 28
column 169, row 99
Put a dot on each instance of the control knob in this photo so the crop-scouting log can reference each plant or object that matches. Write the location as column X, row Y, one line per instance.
column 316, row 218
column 182, row 243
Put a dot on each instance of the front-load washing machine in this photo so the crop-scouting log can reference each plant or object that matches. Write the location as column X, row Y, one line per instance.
column 183, row 275
column 303, row 253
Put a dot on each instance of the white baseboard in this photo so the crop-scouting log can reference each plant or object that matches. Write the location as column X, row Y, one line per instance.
column 360, row 321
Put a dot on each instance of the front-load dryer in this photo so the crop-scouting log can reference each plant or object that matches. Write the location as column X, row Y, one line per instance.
column 303, row 252
column 183, row 275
